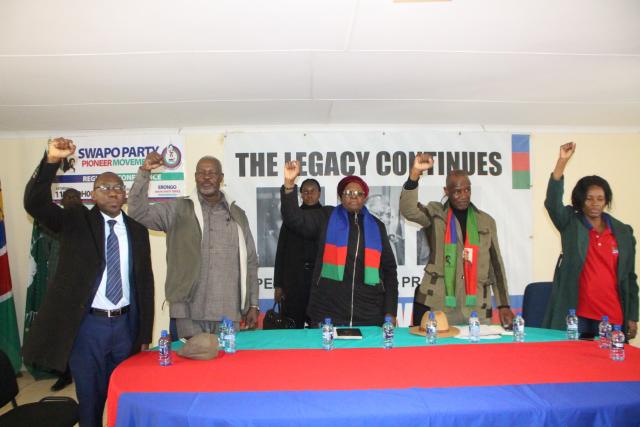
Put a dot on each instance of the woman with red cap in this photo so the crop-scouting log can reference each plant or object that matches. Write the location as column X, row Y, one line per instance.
column 355, row 281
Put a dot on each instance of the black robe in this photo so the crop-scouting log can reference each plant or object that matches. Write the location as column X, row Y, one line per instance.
column 293, row 271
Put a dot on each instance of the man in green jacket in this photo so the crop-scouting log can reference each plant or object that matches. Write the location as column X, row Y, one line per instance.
column 212, row 265
column 465, row 261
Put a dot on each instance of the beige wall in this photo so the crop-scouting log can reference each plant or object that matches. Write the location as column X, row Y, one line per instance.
column 614, row 156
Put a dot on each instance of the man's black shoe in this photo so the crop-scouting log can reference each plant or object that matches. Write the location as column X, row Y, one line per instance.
column 63, row 381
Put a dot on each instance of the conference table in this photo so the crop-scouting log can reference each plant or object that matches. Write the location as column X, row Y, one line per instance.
column 284, row 378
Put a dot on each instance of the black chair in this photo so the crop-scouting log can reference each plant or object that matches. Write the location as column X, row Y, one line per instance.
column 534, row 303
column 50, row 411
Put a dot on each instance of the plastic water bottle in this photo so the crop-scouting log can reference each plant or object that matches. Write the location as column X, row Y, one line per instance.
column 432, row 329
column 617, row 344
column 518, row 329
column 474, row 327
column 164, row 349
column 222, row 332
column 387, row 332
column 572, row 325
column 327, row 334
column 230, row 338
column 604, row 333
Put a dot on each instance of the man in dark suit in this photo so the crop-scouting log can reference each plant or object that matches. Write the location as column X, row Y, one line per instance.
column 99, row 309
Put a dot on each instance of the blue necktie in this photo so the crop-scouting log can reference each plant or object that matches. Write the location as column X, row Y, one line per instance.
column 114, row 280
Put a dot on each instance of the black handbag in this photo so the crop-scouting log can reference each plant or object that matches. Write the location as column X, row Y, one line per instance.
column 275, row 319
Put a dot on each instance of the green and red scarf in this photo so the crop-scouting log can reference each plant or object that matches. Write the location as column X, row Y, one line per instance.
column 470, row 258
column 337, row 241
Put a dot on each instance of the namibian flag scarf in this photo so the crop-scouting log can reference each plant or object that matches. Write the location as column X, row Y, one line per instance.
column 470, row 258
column 337, row 241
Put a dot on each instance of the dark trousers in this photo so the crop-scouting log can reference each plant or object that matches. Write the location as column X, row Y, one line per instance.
column 296, row 301
column 296, row 310
column 418, row 310
column 101, row 344
column 588, row 325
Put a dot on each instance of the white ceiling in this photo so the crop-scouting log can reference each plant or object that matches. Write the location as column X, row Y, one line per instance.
column 93, row 64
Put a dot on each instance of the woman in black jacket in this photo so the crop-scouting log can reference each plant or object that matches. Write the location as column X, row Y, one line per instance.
column 295, row 260
column 355, row 280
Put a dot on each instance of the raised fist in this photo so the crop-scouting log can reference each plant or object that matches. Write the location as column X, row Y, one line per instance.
column 291, row 172
column 152, row 161
column 59, row 148
column 423, row 162
column 567, row 150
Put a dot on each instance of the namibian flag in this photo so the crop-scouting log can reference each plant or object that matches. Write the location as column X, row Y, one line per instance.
column 337, row 241
column 9, row 338
column 520, row 162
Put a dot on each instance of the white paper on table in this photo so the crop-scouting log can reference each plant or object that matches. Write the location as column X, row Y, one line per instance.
column 487, row 332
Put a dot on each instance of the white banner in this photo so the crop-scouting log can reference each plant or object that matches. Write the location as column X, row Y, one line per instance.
column 498, row 163
column 123, row 155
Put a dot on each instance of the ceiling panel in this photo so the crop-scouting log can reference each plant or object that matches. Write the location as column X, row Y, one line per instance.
column 163, row 115
column 154, row 78
column 568, row 26
column 576, row 78
column 80, row 26
column 483, row 113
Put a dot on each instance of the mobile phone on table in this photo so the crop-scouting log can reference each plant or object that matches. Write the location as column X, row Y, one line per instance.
column 348, row 334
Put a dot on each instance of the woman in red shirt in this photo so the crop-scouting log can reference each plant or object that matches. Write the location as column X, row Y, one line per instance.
column 596, row 273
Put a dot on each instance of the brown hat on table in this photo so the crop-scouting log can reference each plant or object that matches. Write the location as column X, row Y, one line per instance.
column 444, row 330
column 200, row 347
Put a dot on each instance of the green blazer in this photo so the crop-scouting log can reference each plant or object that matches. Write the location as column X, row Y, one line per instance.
column 575, row 241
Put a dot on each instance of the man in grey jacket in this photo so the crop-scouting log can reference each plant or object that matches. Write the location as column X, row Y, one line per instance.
column 212, row 266
column 465, row 260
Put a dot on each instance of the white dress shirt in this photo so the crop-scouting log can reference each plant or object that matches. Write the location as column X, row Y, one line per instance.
column 101, row 301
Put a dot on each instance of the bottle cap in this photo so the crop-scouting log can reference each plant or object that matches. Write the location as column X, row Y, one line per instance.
column 474, row 313
column 432, row 315
column 572, row 311
column 387, row 318
column 605, row 318
column 327, row 320
column 164, row 333
column 617, row 327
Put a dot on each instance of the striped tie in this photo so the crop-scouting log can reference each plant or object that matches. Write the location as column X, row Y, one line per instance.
column 114, row 280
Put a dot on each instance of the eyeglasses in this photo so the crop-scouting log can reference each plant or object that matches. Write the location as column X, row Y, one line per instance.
column 354, row 194
column 118, row 188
